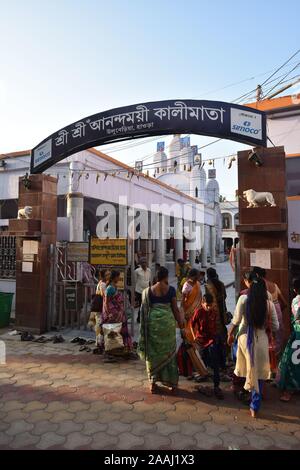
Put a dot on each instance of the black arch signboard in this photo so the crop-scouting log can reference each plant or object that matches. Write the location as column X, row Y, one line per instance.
column 210, row 118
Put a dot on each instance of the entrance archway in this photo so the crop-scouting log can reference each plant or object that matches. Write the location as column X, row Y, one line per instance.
column 209, row 118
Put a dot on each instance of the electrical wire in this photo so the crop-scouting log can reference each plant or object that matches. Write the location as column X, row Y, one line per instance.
column 281, row 81
column 279, row 68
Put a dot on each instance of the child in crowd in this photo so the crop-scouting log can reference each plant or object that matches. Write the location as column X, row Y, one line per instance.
column 208, row 343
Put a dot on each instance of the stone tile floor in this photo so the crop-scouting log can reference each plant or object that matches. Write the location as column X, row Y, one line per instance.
column 55, row 397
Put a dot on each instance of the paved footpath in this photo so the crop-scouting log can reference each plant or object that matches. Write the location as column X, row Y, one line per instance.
column 55, row 397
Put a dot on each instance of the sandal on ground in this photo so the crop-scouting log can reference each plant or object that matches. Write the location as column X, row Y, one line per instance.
column 286, row 397
column 90, row 341
column 206, row 391
column 75, row 340
column 58, row 339
column 218, row 393
column 253, row 413
column 41, row 339
column 26, row 336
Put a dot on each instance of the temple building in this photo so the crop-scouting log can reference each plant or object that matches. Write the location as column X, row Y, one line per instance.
column 182, row 168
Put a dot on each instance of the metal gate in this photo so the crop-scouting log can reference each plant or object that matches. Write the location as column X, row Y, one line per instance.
column 7, row 257
column 63, row 277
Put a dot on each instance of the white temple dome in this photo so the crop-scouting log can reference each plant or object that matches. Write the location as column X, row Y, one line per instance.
column 213, row 191
column 179, row 181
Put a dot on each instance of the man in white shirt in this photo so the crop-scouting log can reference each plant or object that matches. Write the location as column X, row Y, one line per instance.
column 142, row 281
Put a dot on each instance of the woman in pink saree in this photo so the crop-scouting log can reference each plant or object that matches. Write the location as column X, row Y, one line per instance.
column 114, row 311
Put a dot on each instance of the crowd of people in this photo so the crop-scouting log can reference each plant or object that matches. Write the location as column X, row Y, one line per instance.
column 246, row 348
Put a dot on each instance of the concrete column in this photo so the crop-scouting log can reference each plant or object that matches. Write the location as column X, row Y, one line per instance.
column 75, row 214
column 75, row 203
column 213, row 245
column 178, row 235
column 204, row 246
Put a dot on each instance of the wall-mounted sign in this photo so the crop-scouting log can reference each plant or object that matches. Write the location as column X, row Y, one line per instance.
column 27, row 267
column 261, row 258
column 28, row 257
column 30, row 247
column 78, row 251
column 202, row 117
column 108, row 252
column 71, row 296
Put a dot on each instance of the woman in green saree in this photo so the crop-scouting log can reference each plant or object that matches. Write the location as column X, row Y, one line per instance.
column 157, row 345
column 289, row 367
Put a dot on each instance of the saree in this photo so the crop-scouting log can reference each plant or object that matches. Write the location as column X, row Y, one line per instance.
column 114, row 312
column 157, row 344
column 289, row 367
column 193, row 301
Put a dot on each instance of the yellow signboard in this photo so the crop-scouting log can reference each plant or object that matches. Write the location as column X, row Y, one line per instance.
column 108, row 252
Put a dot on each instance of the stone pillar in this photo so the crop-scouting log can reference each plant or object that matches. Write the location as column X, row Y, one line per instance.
column 33, row 239
column 75, row 203
column 213, row 245
column 204, row 246
column 178, row 235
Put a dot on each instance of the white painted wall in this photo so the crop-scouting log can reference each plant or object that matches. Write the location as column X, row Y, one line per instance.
column 140, row 190
column 285, row 131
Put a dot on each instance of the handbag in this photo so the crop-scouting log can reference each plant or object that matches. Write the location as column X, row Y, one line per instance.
column 113, row 340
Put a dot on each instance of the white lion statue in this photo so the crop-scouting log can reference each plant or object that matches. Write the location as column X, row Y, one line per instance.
column 255, row 199
column 25, row 213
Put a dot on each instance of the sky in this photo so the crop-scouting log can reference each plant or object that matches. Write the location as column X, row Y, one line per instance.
column 62, row 60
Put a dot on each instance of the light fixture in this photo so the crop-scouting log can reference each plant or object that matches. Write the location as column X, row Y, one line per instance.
column 255, row 158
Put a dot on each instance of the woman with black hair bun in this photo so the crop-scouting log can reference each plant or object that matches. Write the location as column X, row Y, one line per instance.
column 255, row 315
